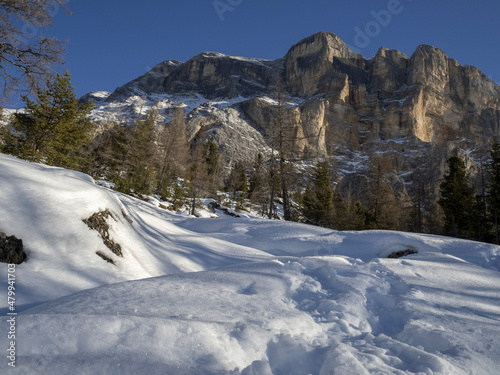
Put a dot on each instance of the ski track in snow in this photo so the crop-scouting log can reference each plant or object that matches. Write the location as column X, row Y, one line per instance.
column 235, row 295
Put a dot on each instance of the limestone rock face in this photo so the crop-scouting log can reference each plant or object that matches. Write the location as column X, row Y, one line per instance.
column 318, row 64
column 210, row 74
column 149, row 83
column 389, row 70
column 336, row 103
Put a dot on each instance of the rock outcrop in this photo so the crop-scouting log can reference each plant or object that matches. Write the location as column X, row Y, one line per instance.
column 99, row 222
column 11, row 249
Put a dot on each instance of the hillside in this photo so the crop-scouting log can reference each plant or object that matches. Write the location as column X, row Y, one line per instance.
column 414, row 112
column 231, row 295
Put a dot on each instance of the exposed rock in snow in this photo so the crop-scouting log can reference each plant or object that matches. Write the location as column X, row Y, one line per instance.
column 11, row 249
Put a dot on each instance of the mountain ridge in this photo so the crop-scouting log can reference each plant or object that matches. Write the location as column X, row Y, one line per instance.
column 321, row 40
column 413, row 111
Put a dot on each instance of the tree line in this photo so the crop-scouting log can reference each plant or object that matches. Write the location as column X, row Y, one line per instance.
column 469, row 213
column 155, row 157
column 460, row 210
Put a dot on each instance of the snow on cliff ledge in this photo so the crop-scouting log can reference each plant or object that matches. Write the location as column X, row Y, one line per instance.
column 234, row 295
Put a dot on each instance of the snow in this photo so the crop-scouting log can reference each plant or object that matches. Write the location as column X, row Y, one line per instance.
column 234, row 295
column 6, row 115
column 290, row 102
column 245, row 59
column 165, row 104
column 100, row 94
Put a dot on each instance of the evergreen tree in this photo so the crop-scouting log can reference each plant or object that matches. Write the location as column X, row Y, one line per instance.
column 213, row 168
column 257, row 176
column 494, row 189
column 382, row 205
column 417, row 214
column 138, row 174
column 259, row 185
column 349, row 212
column 212, row 158
column 55, row 128
column 108, row 151
column 237, row 180
column 457, row 200
column 237, row 183
column 318, row 197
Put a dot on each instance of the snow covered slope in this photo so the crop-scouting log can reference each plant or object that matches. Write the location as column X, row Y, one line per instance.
column 45, row 206
column 236, row 295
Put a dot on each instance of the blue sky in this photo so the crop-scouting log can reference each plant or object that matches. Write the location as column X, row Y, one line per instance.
column 111, row 42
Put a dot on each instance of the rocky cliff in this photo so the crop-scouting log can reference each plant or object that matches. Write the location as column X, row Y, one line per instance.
column 414, row 111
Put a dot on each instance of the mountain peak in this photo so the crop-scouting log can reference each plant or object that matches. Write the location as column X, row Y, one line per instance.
column 323, row 41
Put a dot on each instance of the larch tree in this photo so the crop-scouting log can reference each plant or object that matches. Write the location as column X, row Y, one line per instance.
column 173, row 151
column 282, row 144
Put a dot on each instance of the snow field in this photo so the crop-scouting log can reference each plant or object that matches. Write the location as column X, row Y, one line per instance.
column 235, row 295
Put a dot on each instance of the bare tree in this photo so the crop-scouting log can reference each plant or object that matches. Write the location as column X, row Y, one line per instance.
column 173, row 149
column 27, row 57
column 198, row 175
column 283, row 139
column 382, row 204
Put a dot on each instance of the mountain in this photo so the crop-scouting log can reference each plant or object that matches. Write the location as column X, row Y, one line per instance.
column 226, row 295
column 413, row 112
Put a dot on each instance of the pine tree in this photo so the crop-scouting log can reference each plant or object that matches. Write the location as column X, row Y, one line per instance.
column 382, row 206
column 349, row 213
column 108, row 151
column 55, row 128
column 259, row 185
column 213, row 167
column 318, row 197
column 237, row 184
column 257, row 176
column 494, row 189
column 417, row 214
column 237, row 180
column 457, row 200
column 138, row 174
column 212, row 158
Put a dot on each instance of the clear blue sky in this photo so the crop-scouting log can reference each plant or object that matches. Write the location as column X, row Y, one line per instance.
column 111, row 42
